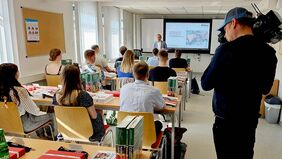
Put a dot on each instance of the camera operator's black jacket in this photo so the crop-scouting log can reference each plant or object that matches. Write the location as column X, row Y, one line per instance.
column 240, row 72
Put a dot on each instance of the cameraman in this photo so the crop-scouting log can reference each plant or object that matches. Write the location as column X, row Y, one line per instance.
column 241, row 70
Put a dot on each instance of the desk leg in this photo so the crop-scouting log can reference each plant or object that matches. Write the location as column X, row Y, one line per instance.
column 180, row 112
column 172, row 135
column 190, row 82
column 185, row 97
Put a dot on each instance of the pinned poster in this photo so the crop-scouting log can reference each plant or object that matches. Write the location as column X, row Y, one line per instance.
column 32, row 30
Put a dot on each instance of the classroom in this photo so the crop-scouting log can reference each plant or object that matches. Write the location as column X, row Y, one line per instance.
column 124, row 79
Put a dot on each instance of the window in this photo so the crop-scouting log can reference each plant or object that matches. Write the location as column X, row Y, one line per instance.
column 111, row 29
column 6, row 48
column 121, row 27
column 127, row 27
column 88, row 28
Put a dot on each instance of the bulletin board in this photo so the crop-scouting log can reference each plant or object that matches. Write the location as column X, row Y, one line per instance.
column 51, row 32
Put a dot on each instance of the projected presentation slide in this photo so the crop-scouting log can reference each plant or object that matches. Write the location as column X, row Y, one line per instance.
column 187, row 35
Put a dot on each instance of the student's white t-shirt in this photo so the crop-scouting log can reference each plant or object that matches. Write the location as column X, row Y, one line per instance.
column 100, row 60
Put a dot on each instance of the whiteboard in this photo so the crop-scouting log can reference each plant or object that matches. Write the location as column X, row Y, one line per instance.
column 216, row 23
column 149, row 29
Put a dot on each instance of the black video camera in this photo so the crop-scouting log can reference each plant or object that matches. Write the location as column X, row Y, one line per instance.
column 265, row 27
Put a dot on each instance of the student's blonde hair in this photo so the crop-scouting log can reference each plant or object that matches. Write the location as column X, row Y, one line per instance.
column 127, row 62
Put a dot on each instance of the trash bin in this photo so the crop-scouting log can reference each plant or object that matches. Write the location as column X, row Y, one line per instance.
column 272, row 109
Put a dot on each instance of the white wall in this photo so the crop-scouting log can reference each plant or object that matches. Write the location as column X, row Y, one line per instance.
column 279, row 71
column 32, row 68
column 278, row 48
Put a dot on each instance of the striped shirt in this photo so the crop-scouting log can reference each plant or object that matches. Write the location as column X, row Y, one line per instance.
column 26, row 103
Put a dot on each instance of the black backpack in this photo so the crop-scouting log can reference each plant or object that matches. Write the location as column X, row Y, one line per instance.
column 179, row 147
column 194, row 86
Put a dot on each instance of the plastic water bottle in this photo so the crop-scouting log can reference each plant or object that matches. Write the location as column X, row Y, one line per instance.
column 4, row 151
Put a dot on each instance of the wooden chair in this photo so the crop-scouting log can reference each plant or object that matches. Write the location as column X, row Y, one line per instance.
column 162, row 86
column 53, row 80
column 74, row 124
column 179, row 69
column 151, row 67
column 149, row 130
column 11, row 121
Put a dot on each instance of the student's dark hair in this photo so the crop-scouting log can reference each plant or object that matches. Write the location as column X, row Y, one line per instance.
column 163, row 54
column 71, row 81
column 140, row 70
column 54, row 53
column 155, row 51
column 94, row 47
column 8, row 81
column 89, row 53
column 178, row 53
column 122, row 50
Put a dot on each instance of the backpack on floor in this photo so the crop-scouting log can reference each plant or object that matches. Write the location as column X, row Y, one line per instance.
column 179, row 147
column 194, row 86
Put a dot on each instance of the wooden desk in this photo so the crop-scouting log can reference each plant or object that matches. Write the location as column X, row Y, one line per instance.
column 115, row 105
column 42, row 146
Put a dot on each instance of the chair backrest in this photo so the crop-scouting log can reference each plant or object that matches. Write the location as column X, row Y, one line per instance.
column 162, row 86
column 151, row 67
column 73, row 122
column 10, row 119
column 53, row 80
column 179, row 69
column 149, row 131
column 181, row 72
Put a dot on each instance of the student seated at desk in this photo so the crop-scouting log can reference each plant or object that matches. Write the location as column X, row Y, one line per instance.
column 11, row 90
column 161, row 72
column 90, row 66
column 54, row 67
column 100, row 60
column 141, row 97
column 72, row 94
column 122, row 50
column 153, row 61
column 178, row 62
column 125, row 69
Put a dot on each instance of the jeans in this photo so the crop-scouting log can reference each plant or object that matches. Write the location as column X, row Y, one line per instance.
column 234, row 140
